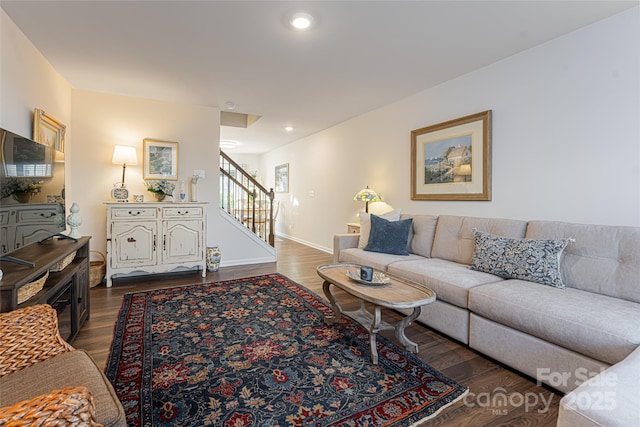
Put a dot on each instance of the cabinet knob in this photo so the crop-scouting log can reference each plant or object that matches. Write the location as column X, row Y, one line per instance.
column 136, row 213
column 131, row 240
column 49, row 215
column 183, row 212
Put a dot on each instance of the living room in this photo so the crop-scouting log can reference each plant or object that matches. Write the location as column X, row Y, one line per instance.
column 570, row 94
column 565, row 140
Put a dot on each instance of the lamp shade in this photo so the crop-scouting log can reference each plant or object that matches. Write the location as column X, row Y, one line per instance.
column 465, row 170
column 124, row 155
column 367, row 195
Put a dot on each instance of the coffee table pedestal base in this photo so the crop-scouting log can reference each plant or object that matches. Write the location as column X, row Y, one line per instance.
column 372, row 322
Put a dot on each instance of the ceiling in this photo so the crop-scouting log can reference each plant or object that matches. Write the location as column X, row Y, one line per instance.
column 358, row 56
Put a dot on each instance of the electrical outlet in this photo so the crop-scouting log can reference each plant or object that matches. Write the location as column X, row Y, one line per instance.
column 199, row 173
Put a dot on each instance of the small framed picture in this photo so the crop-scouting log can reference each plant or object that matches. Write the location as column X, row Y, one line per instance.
column 160, row 159
column 282, row 178
column 48, row 131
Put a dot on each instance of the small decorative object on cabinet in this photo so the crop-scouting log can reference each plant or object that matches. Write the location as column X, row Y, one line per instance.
column 194, row 188
column 74, row 220
column 213, row 258
column 155, row 238
column 160, row 188
column 122, row 155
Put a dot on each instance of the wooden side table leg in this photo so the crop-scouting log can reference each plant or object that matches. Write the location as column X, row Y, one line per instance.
column 399, row 330
column 337, row 310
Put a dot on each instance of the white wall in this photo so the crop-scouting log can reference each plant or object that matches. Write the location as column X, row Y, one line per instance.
column 96, row 122
column 102, row 121
column 566, row 140
column 27, row 81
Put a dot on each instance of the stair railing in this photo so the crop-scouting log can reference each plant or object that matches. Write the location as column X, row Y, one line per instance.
column 246, row 200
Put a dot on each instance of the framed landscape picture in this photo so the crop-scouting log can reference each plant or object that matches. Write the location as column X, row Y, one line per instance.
column 160, row 159
column 48, row 131
column 452, row 160
column 282, row 178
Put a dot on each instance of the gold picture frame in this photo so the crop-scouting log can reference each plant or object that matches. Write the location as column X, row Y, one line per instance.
column 48, row 131
column 282, row 178
column 160, row 159
column 452, row 160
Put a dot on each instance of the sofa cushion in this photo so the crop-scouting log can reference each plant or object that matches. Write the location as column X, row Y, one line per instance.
column 598, row 326
column 422, row 233
column 603, row 259
column 374, row 259
column 454, row 235
column 72, row 368
column 527, row 259
column 389, row 237
column 608, row 399
column 449, row 280
column 365, row 224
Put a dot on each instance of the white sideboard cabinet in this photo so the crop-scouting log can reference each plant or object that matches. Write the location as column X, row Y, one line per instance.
column 155, row 238
column 21, row 224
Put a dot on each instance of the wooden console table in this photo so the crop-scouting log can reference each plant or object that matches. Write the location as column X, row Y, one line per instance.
column 72, row 281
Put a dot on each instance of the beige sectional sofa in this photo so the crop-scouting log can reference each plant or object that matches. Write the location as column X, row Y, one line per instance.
column 560, row 336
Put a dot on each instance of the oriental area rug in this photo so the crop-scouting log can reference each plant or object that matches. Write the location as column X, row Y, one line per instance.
column 256, row 352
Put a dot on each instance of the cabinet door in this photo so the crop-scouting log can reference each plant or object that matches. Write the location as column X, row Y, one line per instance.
column 81, row 286
column 182, row 241
column 5, row 244
column 134, row 244
column 26, row 234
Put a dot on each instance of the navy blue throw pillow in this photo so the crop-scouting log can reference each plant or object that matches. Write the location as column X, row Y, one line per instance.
column 389, row 237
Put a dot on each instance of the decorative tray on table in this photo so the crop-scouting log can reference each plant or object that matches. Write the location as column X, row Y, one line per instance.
column 379, row 278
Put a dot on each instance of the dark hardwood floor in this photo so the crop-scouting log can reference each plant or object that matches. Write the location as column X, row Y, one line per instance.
column 498, row 396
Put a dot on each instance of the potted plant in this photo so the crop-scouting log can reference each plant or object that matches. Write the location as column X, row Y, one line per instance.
column 160, row 188
column 21, row 189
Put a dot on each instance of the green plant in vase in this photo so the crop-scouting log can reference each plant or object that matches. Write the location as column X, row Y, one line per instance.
column 160, row 188
column 22, row 189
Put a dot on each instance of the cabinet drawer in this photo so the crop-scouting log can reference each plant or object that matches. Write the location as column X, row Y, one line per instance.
column 133, row 212
column 38, row 215
column 182, row 212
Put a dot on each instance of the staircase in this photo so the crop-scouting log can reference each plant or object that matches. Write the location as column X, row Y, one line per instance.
column 246, row 200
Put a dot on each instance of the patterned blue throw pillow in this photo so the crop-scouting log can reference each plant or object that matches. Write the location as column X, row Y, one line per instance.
column 527, row 259
column 389, row 237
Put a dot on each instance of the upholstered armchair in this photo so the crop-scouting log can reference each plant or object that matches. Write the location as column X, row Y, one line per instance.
column 29, row 336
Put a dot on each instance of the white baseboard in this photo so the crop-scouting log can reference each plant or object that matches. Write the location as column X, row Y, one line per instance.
column 247, row 261
column 304, row 242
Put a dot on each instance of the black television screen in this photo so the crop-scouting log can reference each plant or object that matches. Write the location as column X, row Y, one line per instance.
column 32, row 205
column 22, row 157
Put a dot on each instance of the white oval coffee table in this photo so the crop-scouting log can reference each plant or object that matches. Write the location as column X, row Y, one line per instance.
column 398, row 293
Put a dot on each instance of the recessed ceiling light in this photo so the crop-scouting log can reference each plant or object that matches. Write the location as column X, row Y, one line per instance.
column 289, row 128
column 230, row 105
column 301, row 21
column 227, row 143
